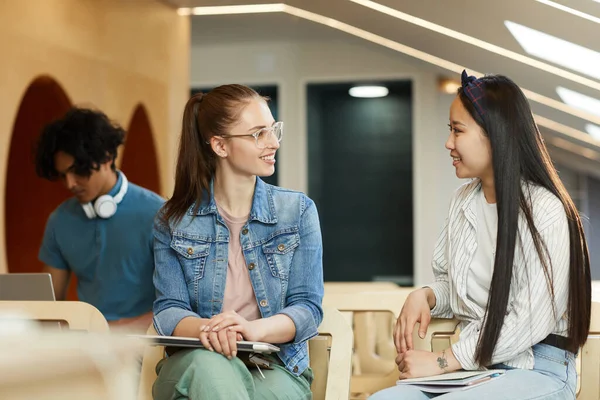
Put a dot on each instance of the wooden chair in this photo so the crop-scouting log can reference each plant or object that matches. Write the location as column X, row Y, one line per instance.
column 79, row 315
column 330, row 359
column 374, row 350
column 440, row 334
column 588, row 385
column 332, row 363
column 596, row 291
column 65, row 364
column 152, row 355
column 353, row 287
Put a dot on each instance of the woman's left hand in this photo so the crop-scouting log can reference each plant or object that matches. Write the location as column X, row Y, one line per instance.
column 231, row 320
column 420, row 363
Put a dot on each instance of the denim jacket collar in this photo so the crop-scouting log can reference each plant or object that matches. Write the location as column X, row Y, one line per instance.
column 263, row 207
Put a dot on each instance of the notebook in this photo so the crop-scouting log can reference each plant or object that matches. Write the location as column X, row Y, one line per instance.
column 177, row 341
column 453, row 381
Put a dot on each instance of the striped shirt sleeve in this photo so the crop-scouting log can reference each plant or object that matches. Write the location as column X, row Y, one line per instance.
column 441, row 286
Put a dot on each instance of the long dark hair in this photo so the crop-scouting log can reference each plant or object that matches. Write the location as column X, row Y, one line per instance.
column 519, row 153
column 204, row 116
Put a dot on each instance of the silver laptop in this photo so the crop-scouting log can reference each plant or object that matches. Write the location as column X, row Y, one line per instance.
column 34, row 286
column 178, row 341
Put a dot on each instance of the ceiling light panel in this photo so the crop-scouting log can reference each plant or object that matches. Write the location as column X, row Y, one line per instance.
column 556, row 50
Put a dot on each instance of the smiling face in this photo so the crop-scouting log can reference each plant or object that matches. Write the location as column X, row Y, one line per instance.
column 241, row 155
column 469, row 146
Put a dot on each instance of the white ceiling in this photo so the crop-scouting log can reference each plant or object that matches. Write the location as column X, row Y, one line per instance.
column 481, row 19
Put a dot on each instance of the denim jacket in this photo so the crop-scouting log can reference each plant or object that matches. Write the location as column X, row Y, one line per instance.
column 282, row 247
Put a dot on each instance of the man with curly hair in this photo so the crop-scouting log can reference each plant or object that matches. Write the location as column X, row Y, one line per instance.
column 103, row 235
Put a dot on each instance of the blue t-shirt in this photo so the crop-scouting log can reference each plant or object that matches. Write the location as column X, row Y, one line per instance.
column 112, row 258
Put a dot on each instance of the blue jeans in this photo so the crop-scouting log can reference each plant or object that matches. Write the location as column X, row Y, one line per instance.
column 553, row 377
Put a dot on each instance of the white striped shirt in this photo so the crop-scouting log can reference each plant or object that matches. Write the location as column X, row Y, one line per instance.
column 529, row 315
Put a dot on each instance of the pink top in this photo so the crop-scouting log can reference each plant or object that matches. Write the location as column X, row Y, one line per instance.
column 239, row 294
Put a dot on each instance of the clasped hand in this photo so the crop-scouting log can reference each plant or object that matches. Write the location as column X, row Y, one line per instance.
column 221, row 333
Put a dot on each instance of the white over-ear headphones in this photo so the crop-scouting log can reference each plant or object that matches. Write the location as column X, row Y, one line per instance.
column 105, row 206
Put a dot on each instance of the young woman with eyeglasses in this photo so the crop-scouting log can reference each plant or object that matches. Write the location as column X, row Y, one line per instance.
column 235, row 258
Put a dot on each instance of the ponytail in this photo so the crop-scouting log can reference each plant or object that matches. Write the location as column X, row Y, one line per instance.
column 195, row 165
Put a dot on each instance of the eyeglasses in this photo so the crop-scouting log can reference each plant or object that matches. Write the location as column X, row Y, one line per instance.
column 263, row 136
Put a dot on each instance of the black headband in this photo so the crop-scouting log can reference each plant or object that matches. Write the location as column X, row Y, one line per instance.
column 473, row 89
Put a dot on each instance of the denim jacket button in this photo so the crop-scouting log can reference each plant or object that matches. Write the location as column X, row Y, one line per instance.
column 251, row 266
column 245, row 231
column 263, row 303
column 296, row 369
column 281, row 247
column 190, row 251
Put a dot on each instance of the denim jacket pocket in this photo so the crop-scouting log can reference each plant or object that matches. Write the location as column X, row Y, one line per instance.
column 192, row 256
column 279, row 252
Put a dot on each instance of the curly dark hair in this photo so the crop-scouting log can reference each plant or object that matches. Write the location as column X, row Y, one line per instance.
column 87, row 135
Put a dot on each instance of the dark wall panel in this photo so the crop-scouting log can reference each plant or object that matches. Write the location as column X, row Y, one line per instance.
column 360, row 175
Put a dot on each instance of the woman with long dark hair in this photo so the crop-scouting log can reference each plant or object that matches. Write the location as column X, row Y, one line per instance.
column 511, row 263
column 235, row 258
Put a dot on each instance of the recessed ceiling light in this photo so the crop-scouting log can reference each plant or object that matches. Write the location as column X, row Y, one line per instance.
column 471, row 40
column 593, row 130
column 412, row 52
column 368, row 91
column 578, row 100
column 570, row 10
column 229, row 10
column 558, row 51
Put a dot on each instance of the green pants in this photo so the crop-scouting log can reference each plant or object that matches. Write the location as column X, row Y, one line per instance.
column 203, row 375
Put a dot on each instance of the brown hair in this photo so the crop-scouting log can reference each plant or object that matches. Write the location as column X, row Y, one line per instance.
column 204, row 116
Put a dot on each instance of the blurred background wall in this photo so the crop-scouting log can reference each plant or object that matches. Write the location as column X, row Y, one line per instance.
column 294, row 54
column 129, row 59
column 377, row 168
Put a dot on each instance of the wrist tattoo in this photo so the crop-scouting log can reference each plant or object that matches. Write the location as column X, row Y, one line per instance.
column 442, row 362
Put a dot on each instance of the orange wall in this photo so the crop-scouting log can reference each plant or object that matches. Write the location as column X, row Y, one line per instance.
column 110, row 54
